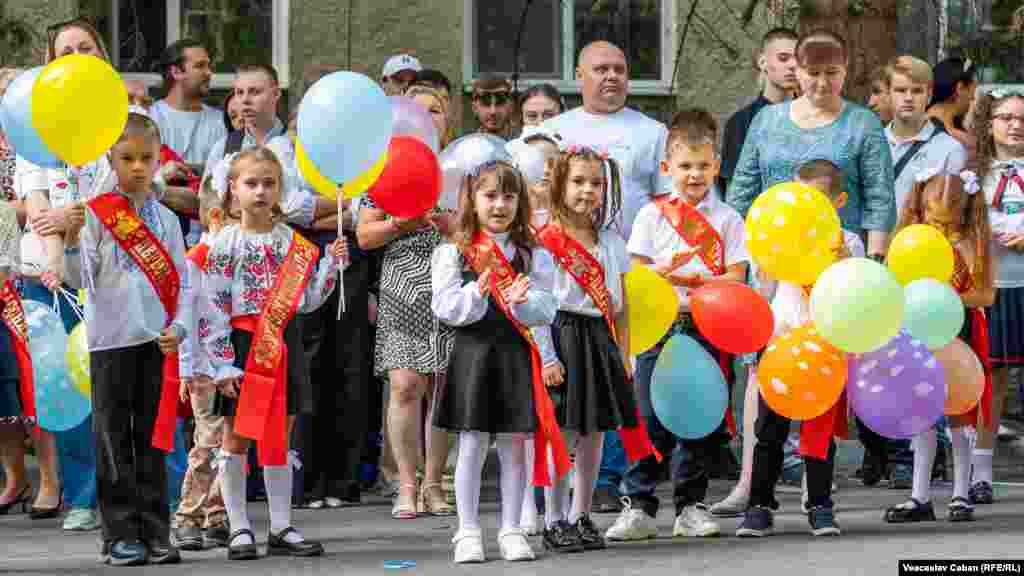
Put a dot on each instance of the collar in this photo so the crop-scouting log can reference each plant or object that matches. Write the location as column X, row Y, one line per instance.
column 705, row 206
column 278, row 129
column 923, row 134
column 1008, row 166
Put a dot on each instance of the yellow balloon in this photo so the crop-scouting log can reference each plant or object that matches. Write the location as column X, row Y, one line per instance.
column 313, row 176
column 76, row 355
column 653, row 306
column 364, row 181
column 791, row 231
column 79, row 107
column 920, row 251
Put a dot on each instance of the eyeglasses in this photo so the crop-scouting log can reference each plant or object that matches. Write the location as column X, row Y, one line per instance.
column 493, row 98
column 1009, row 118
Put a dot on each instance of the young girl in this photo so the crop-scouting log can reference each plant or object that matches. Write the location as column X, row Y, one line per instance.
column 999, row 131
column 951, row 203
column 548, row 144
column 492, row 285
column 590, row 335
column 130, row 256
column 259, row 275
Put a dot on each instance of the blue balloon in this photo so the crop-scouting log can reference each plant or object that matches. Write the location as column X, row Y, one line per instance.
column 17, row 106
column 344, row 125
column 934, row 312
column 59, row 405
column 688, row 390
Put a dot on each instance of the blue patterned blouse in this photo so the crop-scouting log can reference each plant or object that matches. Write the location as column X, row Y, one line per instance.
column 775, row 147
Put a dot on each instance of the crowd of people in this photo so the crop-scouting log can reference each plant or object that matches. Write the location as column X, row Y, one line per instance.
column 200, row 248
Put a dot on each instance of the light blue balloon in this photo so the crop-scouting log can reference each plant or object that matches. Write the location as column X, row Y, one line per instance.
column 59, row 405
column 688, row 390
column 17, row 106
column 344, row 125
column 934, row 313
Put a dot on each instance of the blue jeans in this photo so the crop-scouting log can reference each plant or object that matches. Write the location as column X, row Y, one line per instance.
column 688, row 458
column 177, row 464
column 76, row 448
column 613, row 462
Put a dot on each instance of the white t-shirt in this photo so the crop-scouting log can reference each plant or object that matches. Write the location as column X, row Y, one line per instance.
column 190, row 134
column 658, row 240
column 634, row 140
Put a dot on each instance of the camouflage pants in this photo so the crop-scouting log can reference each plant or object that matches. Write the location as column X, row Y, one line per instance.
column 201, row 502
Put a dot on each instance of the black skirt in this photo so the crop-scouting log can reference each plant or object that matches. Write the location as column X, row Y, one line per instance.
column 10, row 399
column 1006, row 327
column 490, row 383
column 596, row 396
column 300, row 392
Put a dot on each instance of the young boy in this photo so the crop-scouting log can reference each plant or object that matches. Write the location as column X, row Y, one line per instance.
column 201, row 506
column 791, row 309
column 131, row 260
column 665, row 239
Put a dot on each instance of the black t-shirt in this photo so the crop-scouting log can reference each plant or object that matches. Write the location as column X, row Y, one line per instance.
column 734, row 135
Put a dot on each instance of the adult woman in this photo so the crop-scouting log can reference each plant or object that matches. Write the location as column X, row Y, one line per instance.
column 232, row 112
column 819, row 125
column 52, row 196
column 411, row 348
column 953, row 99
column 539, row 103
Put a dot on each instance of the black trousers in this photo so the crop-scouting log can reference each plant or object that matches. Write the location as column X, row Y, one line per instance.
column 131, row 475
column 772, row 430
column 332, row 440
column 881, row 452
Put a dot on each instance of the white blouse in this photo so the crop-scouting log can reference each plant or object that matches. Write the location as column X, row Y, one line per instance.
column 1009, row 264
column 611, row 254
column 240, row 272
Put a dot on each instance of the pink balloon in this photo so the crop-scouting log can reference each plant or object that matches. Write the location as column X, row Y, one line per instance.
column 965, row 377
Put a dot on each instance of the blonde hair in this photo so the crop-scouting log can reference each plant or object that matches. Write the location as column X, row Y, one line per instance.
column 418, row 89
column 257, row 155
column 919, row 71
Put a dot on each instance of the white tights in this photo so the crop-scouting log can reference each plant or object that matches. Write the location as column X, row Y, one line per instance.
column 469, row 469
column 588, row 463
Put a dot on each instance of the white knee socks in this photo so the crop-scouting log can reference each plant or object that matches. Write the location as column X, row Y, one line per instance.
column 588, row 463
column 556, row 497
column 232, row 487
column 513, row 478
column 982, row 461
column 529, row 512
column 468, row 470
column 924, row 445
column 961, row 462
column 278, row 480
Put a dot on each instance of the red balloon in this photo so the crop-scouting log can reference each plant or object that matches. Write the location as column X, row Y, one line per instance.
column 732, row 316
column 411, row 181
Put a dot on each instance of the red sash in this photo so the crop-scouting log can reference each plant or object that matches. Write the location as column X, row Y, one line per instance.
column 997, row 198
column 963, row 282
column 136, row 239
column 262, row 411
column 588, row 273
column 14, row 319
column 548, row 433
column 696, row 231
column 198, row 255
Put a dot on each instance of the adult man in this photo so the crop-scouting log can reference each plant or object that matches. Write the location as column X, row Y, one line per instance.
column 492, row 104
column 634, row 140
column 777, row 65
column 187, row 126
column 399, row 71
column 880, row 102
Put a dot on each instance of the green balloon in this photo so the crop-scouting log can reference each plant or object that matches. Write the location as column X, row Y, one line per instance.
column 857, row 305
column 934, row 312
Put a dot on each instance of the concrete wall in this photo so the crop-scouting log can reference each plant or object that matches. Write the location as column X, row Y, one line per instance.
column 37, row 15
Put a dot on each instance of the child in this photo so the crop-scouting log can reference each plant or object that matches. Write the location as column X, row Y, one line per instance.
column 590, row 336
column 791, row 309
column 999, row 132
column 953, row 205
column 202, row 505
column 492, row 284
column 689, row 236
column 130, row 256
column 259, row 275
column 548, row 144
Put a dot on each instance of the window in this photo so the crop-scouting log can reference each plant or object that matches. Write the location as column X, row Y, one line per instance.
column 235, row 31
column 989, row 32
column 555, row 31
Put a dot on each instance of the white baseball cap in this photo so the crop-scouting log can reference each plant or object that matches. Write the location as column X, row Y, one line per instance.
column 400, row 62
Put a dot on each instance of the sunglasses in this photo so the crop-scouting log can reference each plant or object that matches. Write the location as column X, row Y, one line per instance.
column 493, row 98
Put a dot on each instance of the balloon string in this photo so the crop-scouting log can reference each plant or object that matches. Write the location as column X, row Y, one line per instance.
column 341, row 269
column 72, row 303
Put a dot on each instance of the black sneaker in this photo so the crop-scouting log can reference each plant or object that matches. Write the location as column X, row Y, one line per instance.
column 960, row 510
column 189, row 538
column 217, row 536
column 607, row 500
column 981, row 493
column 823, row 521
column 589, row 535
column 162, row 552
column 910, row 511
column 562, row 538
column 757, row 522
column 126, row 553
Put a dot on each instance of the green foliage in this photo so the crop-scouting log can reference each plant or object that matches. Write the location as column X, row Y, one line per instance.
column 16, row 41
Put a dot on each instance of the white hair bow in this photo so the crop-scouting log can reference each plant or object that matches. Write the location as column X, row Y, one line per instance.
column 970, row 180
column 221, row 171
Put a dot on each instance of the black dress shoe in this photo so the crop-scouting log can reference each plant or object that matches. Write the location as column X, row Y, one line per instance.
column 243, row 551
column 277, row 545
column 216, row 536
column 189, row 538
column 589, row 535
column 127, row 553
column 162, row 552
column 562, row 538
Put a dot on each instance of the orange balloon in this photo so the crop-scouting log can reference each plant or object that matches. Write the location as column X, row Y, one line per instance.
column 965, row 377
column 801, row 375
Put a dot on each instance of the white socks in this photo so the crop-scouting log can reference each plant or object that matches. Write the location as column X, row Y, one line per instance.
column 924, row 446
column 232, row 485
column 529, row 513
column 982, row 461
column 513, row 478
column 588, row 463
column 468, row 469
column 556, row 497
column 278, row 480
column 961, row 463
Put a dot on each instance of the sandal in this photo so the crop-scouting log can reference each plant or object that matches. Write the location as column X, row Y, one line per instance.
column 432, row 501
column 404, row 510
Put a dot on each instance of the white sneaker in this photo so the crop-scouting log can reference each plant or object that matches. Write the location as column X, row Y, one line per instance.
column 695, row 521
column 469, row 547
column 530, row 525
column 514, row 547
column 631, row 525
